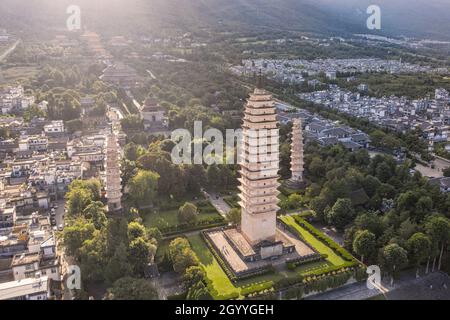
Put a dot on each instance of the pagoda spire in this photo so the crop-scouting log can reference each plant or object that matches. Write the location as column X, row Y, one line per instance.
column 259, row 80
column 297, row 152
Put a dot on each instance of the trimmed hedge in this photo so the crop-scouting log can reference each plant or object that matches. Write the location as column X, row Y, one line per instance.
column 295, row 287
column 255, row 288
column 325, row 239
column 232, row 201
column 222, row 263
column 292, row 264
column 199, row 225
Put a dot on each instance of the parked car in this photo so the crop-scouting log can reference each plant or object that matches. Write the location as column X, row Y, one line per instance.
column 60, row 227
column 53, row 221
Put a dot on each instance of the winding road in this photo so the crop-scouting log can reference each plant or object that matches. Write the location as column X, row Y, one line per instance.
column 9, row 51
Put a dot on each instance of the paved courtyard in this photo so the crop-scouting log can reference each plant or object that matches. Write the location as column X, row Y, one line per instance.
column 235, row 260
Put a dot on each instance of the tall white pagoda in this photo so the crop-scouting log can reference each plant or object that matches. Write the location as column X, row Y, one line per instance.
column 113, row 180
column 297, row 153
column 259, row 168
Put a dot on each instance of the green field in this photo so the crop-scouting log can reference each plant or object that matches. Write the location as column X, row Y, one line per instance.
column 220, row 283
column 17, row 74
column 162, row 219
column 333, row 258
column 166, row 218
column 410, row 85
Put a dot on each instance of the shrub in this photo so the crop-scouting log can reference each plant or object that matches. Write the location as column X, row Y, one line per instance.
column 325, row 239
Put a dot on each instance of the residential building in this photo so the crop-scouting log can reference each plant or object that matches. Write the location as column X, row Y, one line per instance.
column 36, row 288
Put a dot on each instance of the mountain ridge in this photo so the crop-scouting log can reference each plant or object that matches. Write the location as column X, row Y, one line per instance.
column 344, row 17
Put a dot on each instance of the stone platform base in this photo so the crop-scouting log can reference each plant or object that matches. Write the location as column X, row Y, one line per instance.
column 243, row 258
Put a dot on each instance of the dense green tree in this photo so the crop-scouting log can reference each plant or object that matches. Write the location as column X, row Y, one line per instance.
column 33, row 111
column 438, row 228
column 371, row 185
column 128, row 288
column 295, row 201
column 196, row 178
column 128, row 170
column 341, row 214
column 407, row 228
column 92, row 257
column 383, row 172
column 317, row 168
column 192, row 276
column 96, row 212
column 172, row 177
column 234, row 216
column 446, row 172
column 135, row 230
column 92, row 185
column 154, row 233
column 140, row 252
column 181, row 255
column 78, row 200
column 74, row 235
column 370, row 221
column 419, row 248
column 132, row 123
column 143, row 186
column 118, row 266
column 74, row 125
column 393, row 258
column 364, row 244
column 133, row 151
column 187, row 213
column 198, row 292
column 213, row 174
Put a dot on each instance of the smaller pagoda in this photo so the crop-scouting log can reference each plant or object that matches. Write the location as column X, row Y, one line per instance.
column 113, row 180
column 296, row 180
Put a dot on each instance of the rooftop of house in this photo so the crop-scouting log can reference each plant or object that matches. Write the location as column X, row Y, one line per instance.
column 24, row 287
column 336, row 131
column 151, row 105
column 25, row 258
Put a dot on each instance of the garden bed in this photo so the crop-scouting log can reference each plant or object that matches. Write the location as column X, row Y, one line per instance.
column 166, row 220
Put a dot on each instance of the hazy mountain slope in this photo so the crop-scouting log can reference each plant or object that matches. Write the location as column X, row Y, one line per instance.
column 413, row 18
column 416, row 18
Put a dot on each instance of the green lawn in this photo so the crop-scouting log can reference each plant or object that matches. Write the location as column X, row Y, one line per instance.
column 13, row 74
column 219, row 280
column 221, row 286
column 166, row 218
column 333, row 258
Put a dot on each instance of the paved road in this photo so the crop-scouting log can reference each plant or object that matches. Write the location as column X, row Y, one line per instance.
column 441, row 163
column 331, row 232
column 407, row 284
column 169, row 283
column 151, row 75
column 218, row 202
column 437, row 172
column 10, row 50
column 59, row 216
column 115, row 113
column 428, row 171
